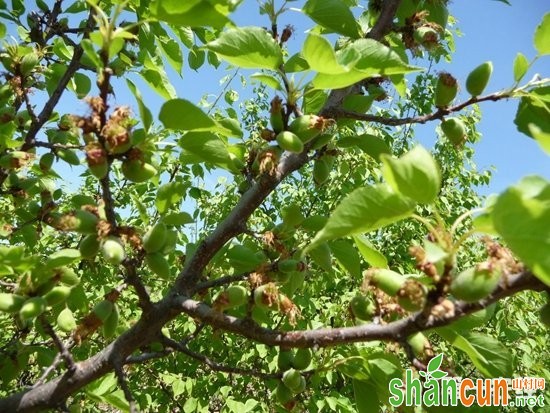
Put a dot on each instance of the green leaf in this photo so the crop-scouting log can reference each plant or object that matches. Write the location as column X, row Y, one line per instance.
column 63, row 257
column 81, row 84
column 347, row 256
column 320, row 55
column 177, row 219
column 171, row 49
column 243, row 259
column 521, row 64
column 180, row 114
column 169, row 195
column 365, row 209
column 268, row 80
column 193, row 13
column 534, row 109
column 208, row 148
column 490, row 357
column 371, row 255
column 372, row 145
column 144, row 112
column 248, row 47
column 2, row 30
column 196, row 58
column 158, row 81
column 521, row 215
column 366, row 396
column 322, row 256
column 365, row 58
column 542, row 138
column 296, row 63
column 415, row 175
column 333, row 15
column 542, row 36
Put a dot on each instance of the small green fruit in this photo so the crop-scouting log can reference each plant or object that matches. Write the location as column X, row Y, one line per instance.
column 412, row 295
column 302, row 359
column 478, row 78
column 289, row 265
column 137, row 171
column 362, row 307
column 290, row 142
column 419, row 343
column 67, row 276
column 291, row 379
column 65, row 320
column 103, row 309
column 454, row 130
column 301, row 387
column 284, row 359
column 387, row 280
column 267, row 297
column 86, row 222
column 158, row 265
column 237, row 295
column 33, row 307
column 57, row 295
column 474, row 284
column 113, row 250
column 307, row 127
column 427, row 37
column 155, row 238
column 111, row 323
column 283, row 394
column 11, row 303
column 89, row 246
column 446, row 89
column 99, row 170
column 28, row 63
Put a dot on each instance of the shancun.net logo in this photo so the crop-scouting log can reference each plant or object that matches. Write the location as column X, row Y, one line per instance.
column 436, row 389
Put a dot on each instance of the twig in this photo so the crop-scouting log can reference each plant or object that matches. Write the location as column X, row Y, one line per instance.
column 219, row 282
column 135, row 281
column 123, row 383
column 214, row 365
column 61, row 348
column 438, row 114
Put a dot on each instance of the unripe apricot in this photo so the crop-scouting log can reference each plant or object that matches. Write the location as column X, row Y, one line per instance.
column 387, row 280
column 362, row 307
column 137, row 171
column 237, row 295
column 113, row 250
column 290, row 142
column 475, row 283
column 155, row 238
column 302, row 359
column 284, row 359
column 446, row 89
column 11, row 303
column 65, row 320
column 283, row 394
column 291, row 378
column 418, row 343
column 454, row 130
column 33, row 307
column 478, row 78
column 89, row 246
column 103, row 309
column 307, row 127
column 57, row 295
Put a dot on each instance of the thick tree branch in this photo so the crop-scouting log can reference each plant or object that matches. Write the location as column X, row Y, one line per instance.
column 397, row 330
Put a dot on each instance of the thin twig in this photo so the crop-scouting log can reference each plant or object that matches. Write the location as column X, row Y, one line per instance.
column 123, row 383
column 215, row 365
column 61, row 348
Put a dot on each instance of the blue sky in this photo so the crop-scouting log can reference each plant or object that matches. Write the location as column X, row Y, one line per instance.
column 492, row 31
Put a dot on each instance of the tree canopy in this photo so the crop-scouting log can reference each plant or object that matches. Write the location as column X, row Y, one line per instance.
column 293, row 249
